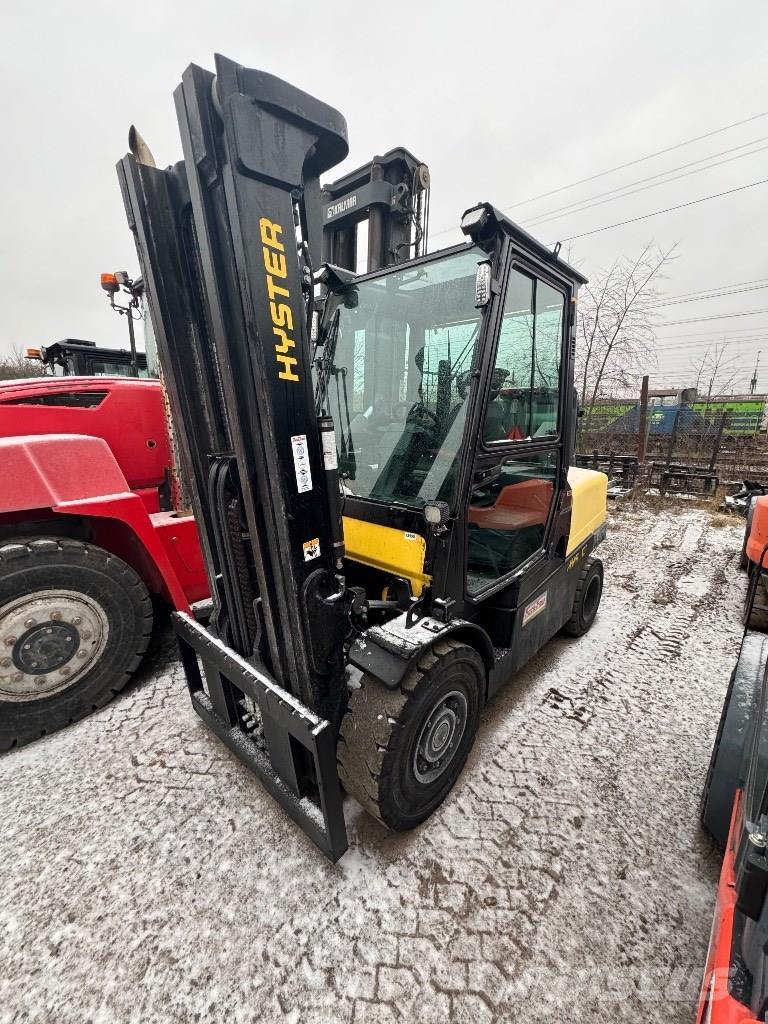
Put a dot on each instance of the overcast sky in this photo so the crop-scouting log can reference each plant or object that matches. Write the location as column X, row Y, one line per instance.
column 504, row 101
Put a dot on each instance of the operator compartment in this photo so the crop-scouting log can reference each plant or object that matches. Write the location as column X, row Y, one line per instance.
column 398, row 358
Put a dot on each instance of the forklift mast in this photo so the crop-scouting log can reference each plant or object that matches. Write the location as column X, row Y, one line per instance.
column 391, row 194
column 231, row 323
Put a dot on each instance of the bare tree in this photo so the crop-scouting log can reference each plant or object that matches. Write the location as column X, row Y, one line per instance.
column 616, row 321
column 16, row 365
column 716, row 373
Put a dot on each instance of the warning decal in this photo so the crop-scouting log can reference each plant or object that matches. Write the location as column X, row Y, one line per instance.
column 311, row 549
column 329, row 449
column 301, row 463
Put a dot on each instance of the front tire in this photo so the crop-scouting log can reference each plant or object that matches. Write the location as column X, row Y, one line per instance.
column 75, row 621
column 401, row 751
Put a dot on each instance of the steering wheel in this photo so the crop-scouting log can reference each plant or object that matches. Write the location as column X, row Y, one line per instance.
column 421, row 411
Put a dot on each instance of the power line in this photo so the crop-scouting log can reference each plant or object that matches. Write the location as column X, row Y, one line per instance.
column 690, row 346
column 671, row 344
column 622, row 193
column 729, row 332
column 668, row 209
column 639, row 160
column 702, row 296
column 718, row 316
column 718, row 287
column 665, row 346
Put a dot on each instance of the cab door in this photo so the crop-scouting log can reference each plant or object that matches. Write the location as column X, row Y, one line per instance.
column 519, row 473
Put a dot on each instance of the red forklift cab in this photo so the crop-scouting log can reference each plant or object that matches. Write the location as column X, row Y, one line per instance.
column 74, row 357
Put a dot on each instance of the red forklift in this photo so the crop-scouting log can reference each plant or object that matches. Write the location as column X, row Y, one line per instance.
column 93, row 537
column 734, row 812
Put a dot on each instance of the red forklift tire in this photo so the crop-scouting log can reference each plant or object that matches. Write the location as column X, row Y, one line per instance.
column 75, row 621
column 401, row 750
column 586, row 601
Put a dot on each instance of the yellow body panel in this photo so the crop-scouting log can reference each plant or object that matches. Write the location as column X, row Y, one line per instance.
column 590, row 501
column 388, row 549
column 403, row 554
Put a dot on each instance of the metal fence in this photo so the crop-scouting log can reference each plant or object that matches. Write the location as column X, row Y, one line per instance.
column 675, row 446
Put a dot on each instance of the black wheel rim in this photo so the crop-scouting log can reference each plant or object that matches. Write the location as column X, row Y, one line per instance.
column 440, row 736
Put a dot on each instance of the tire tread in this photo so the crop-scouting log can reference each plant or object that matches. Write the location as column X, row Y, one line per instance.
column 371, row 725
column 38, row 549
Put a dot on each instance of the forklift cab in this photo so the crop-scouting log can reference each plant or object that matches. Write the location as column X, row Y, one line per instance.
column 449, row 381
column 74, row 357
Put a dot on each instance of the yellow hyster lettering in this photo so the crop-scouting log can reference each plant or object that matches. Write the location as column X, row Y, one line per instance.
column 269, row 233
column 274, row 262
column 281, row 315
column 275, row 289
column 288, row 362
column 286, row 342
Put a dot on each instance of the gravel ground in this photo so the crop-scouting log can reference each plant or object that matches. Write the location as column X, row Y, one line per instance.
column 147, row 877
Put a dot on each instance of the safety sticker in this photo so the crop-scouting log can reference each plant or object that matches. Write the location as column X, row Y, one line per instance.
column 533, row 609
column 311, row 549
column 301, row 463
column 329, row 449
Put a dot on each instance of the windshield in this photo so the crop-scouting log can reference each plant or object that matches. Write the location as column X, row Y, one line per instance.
column 401, row 361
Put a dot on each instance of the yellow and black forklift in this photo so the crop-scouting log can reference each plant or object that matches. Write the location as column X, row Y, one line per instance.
column 380, row 462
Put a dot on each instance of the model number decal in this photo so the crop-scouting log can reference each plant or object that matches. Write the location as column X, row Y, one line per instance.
column 533, row 609
column 575, row 559
column 282, row 318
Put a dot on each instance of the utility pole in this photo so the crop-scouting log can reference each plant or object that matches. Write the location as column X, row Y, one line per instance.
column 753, row 382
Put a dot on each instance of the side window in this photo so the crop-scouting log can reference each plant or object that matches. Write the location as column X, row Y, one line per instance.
column 524, row 390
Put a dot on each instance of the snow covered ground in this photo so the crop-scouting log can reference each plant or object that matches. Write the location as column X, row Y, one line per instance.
column 146, row 877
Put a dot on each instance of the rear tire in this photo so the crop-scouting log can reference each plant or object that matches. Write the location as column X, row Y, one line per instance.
column 586, row 601
column 75, row 621
column 401, row 751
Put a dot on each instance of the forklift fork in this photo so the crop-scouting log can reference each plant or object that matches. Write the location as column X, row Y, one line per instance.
column 286, row 724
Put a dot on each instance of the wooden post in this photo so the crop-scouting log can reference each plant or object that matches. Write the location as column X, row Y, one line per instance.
column 642, row 422
column 718, row 440
column 673, row 438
